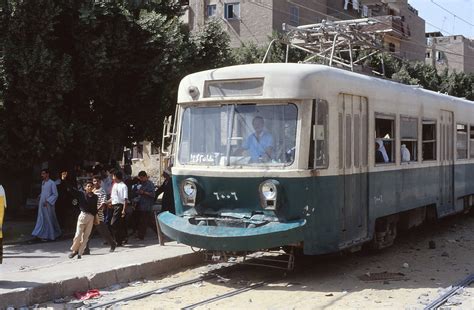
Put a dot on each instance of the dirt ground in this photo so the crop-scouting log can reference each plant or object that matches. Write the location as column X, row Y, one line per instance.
column 409, row 275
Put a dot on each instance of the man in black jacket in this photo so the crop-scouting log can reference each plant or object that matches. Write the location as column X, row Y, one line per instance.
column 85, row 221
column 167, row 202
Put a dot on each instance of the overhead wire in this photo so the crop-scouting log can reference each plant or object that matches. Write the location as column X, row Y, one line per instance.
column 456, row 16
column 447, row 51
column 322, row 14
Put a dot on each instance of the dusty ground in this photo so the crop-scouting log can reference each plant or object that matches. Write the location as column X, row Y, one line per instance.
column 336, row 282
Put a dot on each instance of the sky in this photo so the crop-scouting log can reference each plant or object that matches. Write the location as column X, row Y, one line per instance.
column 438, row 19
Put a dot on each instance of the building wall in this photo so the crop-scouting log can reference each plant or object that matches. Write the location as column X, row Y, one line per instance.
column 455, row 53
column 336, row 9
column 309, row 12
column 259, row 18
column 254, row 24
column 468, row 56
column 413, row 47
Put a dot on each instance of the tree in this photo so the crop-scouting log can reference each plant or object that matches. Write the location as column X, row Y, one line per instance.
column 253, row 53
column 93, row 76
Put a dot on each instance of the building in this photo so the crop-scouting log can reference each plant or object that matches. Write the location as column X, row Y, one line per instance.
column 455, row 52
column 255, row 20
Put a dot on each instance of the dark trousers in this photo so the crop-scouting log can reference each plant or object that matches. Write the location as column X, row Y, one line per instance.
column 119, row 229
column 145, row 220
column 104, row 233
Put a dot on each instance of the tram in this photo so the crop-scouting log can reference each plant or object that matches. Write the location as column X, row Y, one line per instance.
column 285, row 155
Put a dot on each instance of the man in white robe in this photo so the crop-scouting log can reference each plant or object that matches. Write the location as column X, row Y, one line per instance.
column 47, row 226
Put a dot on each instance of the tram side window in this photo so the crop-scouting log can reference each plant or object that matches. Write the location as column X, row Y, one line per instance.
column 472, row 141
column 429, row 140
column 321, row 134
column 461, row 143
column 384, row 139
column 408, row 139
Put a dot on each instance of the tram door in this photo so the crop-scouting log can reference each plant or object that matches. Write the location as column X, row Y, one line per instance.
column 353, row 163
column 446, row 181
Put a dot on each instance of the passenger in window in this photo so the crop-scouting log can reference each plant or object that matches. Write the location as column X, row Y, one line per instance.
column 260, row 143
column 380, row 152
column 405, row 153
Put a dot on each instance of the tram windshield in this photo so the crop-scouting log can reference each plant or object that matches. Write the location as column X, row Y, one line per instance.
column 239, row 135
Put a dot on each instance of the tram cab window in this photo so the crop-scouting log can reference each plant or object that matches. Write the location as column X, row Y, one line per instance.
column 429, row 140
column 472, row 141
column 408, row 139
column 320, row 134
column 461, row 141
column 239, row 135
column 384, row 139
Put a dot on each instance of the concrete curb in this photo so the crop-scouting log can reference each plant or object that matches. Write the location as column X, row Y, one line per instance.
column 43, row 292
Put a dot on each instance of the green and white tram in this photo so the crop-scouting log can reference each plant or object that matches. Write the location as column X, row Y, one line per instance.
column 270, row 155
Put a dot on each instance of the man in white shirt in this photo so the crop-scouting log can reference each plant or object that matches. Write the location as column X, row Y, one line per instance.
column 119, row 201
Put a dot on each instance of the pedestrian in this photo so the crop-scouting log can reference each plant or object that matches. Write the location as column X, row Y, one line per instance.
column 106, row 184
column 64, row 207
column 132, row 213
column 146, row 194
column 85, row 221
column 47, row 226
column 99, row 223
column 119, row 201
column 3, row 206
column 167, row 202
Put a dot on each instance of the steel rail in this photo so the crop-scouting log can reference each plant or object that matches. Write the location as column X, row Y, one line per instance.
column 155, row 291
column 230, row 294
column 443, row 298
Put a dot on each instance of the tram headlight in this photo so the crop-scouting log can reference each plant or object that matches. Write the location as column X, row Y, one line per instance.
column 269, row 194
column 189, row 191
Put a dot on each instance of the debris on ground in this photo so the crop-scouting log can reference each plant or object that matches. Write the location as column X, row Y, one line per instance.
column 382, row 276
column 94, row 293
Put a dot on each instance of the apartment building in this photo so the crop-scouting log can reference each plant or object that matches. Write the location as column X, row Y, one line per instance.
column 455, row 52
column 255, row 20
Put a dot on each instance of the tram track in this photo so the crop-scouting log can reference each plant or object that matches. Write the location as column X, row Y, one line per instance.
column 222, row 275
column 226, row 295
column 455, row 289
column 160, row 290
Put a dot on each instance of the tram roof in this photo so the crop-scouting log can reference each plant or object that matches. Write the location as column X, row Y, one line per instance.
column 300, row 81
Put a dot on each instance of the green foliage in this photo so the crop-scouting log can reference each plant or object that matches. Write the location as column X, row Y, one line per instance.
column 454, row 84
column 210, row 47
column 252, row 53
column 80, row 79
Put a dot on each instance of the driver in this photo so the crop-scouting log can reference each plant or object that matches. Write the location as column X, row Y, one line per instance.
column 260, row 143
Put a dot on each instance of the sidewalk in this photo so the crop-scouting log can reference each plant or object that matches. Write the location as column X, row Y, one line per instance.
column 35, row 272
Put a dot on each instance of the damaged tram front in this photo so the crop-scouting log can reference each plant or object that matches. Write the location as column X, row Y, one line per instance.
column 240, row 172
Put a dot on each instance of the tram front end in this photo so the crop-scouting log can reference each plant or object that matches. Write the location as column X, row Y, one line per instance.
column 240, row 158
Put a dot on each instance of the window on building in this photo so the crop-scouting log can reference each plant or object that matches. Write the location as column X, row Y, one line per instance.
column 137, row 151
column 408, row 139
column 439, row 56
column 231, row 10
column 471, row 142
column 391, row 47
column 294, row 15
column 384, row 139
column 211, row 10
column 428, row 55
column 429, row 140
column 461, row 141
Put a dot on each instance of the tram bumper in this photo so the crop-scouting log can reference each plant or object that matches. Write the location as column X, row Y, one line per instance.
column 219, row 238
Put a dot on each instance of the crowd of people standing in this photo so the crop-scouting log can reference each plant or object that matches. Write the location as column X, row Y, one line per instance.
column 109, row 201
